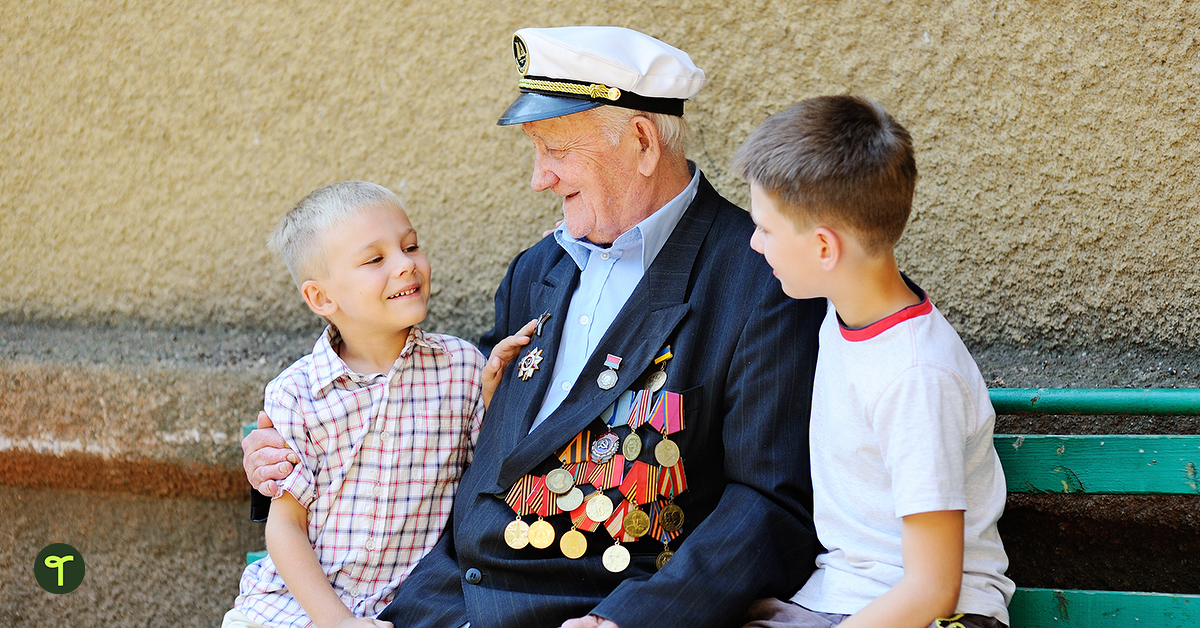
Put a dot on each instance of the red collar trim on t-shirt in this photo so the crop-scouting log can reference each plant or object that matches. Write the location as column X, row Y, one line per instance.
column 884, row 324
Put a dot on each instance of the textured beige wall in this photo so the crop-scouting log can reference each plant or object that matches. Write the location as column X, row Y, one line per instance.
column 145, row 151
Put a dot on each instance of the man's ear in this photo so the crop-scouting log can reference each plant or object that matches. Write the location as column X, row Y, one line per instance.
column 317, row 298
column 649, row 145
column 829, row 247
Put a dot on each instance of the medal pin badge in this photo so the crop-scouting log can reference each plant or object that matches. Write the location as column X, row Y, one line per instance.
column 529, row 363
column 608, row 378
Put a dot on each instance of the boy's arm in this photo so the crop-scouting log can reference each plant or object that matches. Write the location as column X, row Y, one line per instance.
column 292, row 553
column 932, row 548
column 502, row 354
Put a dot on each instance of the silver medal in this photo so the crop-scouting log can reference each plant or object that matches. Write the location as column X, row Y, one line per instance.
column 607, row 379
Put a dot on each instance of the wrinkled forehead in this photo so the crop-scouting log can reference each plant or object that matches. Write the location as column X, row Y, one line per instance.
column 571, row 127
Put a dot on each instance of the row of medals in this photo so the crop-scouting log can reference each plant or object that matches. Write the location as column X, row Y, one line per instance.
column 540, row 534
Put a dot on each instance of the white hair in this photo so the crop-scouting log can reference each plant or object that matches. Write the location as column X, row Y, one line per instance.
column 298, row 238
column 673, row 131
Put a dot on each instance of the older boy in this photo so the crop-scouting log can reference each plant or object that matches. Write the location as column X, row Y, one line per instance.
column 907, row 485
column 383, row 415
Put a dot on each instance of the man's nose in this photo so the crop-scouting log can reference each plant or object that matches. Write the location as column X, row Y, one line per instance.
column 543, row 177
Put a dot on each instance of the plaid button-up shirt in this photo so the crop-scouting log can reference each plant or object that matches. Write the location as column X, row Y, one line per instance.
column 381, row 459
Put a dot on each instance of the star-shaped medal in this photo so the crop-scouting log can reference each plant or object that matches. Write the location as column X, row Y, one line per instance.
column 529, row 364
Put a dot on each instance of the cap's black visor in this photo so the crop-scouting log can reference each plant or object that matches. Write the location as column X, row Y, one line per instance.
column 530, row 106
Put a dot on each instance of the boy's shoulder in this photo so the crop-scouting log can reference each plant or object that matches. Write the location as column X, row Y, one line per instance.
column 299, row 378
column 294, row 381
column 917, row 347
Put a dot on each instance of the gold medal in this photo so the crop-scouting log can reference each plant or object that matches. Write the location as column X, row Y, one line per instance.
column 616, row 558
column 637, row 523
column 516, row 534
column 664, row 558
column 541, row 534
column 631, row 448
column 656, row 381
column 666, row 452
column 671, row 518
column 573, row 544
column 599, row 507
column 570, row 500
column 559, row 481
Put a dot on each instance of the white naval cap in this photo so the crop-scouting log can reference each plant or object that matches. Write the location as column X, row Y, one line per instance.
column 570, row 69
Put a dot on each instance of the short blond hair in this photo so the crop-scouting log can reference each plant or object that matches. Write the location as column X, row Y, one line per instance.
column 298, row 238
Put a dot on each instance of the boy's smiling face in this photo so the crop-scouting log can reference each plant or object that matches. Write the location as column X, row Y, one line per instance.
column 794, row 254
column 376, row 278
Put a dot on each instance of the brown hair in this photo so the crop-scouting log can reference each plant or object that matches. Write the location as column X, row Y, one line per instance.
column 836, row 158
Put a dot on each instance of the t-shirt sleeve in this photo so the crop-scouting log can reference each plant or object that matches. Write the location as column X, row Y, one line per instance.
column 282, row 404
column 922, row 422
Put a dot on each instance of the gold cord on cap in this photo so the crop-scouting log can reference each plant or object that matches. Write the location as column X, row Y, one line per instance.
column 593, row 91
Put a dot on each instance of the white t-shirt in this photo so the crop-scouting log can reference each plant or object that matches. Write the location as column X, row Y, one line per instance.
column 901, row 424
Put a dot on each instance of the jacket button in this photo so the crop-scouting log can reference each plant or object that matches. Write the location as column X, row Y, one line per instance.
column 473, row 576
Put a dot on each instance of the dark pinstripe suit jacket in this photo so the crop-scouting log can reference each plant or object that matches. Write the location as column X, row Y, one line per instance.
column 744, row 360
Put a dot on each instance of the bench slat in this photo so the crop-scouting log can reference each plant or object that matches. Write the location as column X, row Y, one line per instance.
column 1100, row 401
column 1113, row 464
column 1058, row 608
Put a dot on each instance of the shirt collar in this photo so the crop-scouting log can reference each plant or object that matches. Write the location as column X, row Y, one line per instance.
column 327, row 367
column 651, row 232
column 860, row 334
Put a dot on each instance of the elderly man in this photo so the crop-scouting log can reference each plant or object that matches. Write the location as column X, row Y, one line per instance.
column 664, row 343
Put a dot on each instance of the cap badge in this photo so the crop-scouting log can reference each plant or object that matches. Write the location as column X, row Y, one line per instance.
column 521, row 54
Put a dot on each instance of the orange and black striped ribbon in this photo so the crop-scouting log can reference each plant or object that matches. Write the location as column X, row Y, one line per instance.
column 519, row 494
column 577, row 449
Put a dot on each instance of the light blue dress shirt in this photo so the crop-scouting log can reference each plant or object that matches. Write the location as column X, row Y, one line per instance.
column 607, row 278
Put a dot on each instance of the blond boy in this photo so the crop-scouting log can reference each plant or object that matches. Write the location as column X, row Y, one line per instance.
column 383, row 416
column 907, row 485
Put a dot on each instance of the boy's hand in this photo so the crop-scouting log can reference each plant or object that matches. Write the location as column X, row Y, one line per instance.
column 502, row 354
column 266, row 457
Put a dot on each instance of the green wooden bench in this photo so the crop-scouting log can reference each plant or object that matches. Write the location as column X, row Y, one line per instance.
column 1110, row 465
column 1089, row 465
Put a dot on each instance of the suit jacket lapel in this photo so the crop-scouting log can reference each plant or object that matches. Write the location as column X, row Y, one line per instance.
column 652, row 312
column 552, row 294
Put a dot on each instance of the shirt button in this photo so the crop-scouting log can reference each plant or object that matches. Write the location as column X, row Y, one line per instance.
column 604, row 255
column 566, row 386
column 370, row 544
column 384, row 436
column 377, row 491
column 354, row 592
column 583, row 320
column 473, row 576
